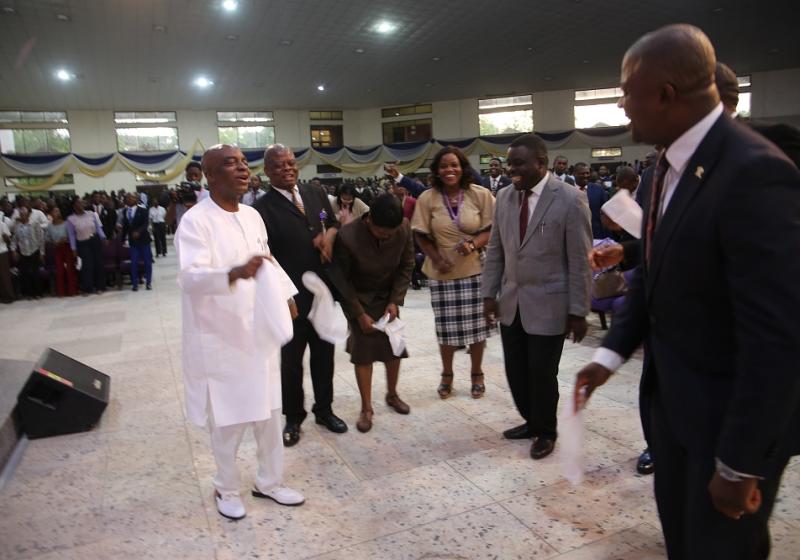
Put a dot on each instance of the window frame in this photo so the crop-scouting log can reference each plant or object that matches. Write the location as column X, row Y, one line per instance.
column 522, row 106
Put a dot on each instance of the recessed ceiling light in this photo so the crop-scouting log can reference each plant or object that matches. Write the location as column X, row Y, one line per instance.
column 321, row 87
column 203, row 82
column 428, row 85
column 231, row 37
column 62, row 17
column 160, row 28
column 385, row 27
column 230, row 5
column 718, row 10
column 436, row 58
column 63, row 75
column 360, row 51
column 548, row 78
column 9, row 10
column 530, row 49
column 586, row 62
column 285, row 42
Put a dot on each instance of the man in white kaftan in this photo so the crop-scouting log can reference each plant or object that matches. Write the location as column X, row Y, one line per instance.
column 231, row 368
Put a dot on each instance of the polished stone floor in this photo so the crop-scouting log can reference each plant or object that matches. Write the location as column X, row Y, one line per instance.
column 440, row 483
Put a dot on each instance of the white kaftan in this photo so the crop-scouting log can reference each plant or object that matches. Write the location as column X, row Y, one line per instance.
column 225, row 366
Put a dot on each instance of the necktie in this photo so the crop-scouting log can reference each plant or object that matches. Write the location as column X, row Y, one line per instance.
column 662, row 165
column 523, row 213
column 297, row 202
column 130, row 214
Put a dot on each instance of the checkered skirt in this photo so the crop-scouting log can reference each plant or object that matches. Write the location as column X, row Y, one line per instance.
column 458, row 311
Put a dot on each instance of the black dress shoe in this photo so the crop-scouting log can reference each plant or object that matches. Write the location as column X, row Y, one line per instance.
column 332, row 422
column 518, row 432
column 291, row 434
column 542, row 447
column 645, row 464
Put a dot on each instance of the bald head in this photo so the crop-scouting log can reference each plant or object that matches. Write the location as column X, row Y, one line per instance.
column 214, row 155
column 668, row 83
column 680, row 54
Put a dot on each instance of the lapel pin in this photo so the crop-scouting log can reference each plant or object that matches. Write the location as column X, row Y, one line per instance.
column 699, row 172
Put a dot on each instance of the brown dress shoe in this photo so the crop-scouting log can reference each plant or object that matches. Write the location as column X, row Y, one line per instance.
column 542, row 447
column 397, row 404
column 364, row 423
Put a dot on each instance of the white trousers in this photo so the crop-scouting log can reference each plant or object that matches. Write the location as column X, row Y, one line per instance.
column 225, row 444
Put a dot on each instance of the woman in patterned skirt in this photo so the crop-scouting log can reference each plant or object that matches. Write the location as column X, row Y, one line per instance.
column 451, row 222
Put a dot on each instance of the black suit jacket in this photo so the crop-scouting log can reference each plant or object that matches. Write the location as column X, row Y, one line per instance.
column 291, row 233
column 717, row 304
column 504, row 182
column 141, row 220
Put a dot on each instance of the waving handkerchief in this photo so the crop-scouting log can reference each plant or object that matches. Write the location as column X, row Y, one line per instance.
column 326, row 316
column 394, row 330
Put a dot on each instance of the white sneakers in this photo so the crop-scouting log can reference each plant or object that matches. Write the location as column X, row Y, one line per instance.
column 230, row 504
column 282, row 495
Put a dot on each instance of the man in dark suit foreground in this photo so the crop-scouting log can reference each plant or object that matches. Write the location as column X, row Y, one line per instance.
column 135, row 220
column 714, row 303
column 301, row 229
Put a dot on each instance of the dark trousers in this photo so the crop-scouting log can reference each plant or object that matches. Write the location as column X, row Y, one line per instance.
column 160, row 238
column 532, row 372
column 92, row 276
column 321, row 363
column 141, row 253
column 29, row 274
column 6, row 287
column 693, row 529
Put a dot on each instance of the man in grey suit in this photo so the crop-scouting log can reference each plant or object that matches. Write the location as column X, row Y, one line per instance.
column 536, row 282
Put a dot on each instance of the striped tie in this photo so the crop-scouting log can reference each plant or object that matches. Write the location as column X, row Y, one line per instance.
column 298, row 203
column 662, row 165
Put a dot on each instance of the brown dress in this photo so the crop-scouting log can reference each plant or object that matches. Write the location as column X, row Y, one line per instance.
column 370, row 274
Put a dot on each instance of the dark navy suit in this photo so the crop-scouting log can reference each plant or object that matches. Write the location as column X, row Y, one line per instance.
column 140, row 244
column 716, row 308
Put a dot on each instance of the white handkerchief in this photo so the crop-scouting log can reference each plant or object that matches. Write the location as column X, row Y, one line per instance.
column 570, row 443
column 272, row 321
column 394, row 330
column 624, row 211
column 326, row 316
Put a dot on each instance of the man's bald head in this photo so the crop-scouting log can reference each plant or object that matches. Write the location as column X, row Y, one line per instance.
column 680, row 54
column 214, row 155
column 668, row 83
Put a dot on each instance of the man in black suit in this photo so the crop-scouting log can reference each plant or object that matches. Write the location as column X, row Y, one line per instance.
column 496, row 180
column 714, row 302
column 135, row 220
column 301, row 229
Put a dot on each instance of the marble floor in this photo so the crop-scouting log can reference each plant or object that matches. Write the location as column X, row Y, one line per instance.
column 440, row 483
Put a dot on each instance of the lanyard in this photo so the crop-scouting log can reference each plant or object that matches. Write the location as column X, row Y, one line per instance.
column 454, row 214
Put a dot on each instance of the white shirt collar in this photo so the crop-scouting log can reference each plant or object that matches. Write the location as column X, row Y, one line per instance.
column 288, row 192
column 685, row 146
column 539, row 187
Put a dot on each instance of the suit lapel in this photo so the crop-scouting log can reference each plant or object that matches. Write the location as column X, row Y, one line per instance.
column 697, row 171
column 545, row 200
column 288, row 204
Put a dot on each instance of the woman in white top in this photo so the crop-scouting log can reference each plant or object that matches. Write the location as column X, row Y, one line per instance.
column 346, row 207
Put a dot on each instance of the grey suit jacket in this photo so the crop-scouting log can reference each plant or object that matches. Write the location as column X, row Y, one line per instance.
column 547, row 276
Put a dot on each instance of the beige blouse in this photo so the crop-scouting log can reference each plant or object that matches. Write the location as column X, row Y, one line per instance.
column 432, row 218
